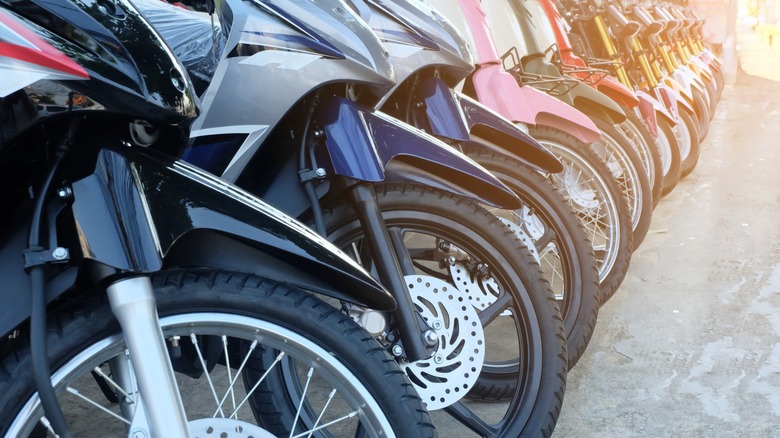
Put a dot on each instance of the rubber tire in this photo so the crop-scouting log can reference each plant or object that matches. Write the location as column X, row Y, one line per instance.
column 581, row 304
column 541, row 404
column 702, row 114
column 79, row 323
column 655, row 156
column 611, row 282
column 689, row 162
column 641, row 184
column 713, row 94
column 672, row 177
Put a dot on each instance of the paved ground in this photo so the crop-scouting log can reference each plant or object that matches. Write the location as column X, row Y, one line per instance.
column 690, row 345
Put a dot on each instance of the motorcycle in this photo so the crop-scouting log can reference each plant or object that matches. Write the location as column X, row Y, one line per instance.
column 641, row 126
column 586, row 182
column 424, row 97
column 401, row 202
column 593, row 33
column 128, row 273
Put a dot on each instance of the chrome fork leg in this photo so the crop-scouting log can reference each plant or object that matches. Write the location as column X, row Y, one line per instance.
column 132, row 301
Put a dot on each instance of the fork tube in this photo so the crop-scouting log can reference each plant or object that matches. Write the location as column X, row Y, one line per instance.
column 133, row 303
column 363, row 199
column 644, row 64
column 609, row 46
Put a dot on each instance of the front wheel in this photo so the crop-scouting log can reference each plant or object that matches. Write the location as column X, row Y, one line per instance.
column 214, row 323
column 498, row 332
column 688, row 139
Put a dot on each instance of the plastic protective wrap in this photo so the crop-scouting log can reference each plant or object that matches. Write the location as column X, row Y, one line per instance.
column 189, row 34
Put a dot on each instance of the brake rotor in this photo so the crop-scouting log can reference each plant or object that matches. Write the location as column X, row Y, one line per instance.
column 225, row 428
column 481, row 292
column 578, row 191
column 451, row 372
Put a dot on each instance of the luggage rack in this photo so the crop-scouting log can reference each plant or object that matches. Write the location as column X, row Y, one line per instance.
column 552, row 85
column 591, row 73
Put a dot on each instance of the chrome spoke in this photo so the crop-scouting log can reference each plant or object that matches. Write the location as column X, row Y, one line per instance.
column 95, row 404
column 238, row 373
column 194, row 340
column 324, row 408
column 352, row 414
column 303, row 398
column 230, row 376
column 259, row 381
column 116, row 386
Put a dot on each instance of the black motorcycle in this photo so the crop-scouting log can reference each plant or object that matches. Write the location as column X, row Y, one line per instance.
column 138, row 289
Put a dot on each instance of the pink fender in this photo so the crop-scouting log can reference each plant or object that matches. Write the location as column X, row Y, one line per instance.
column 651, row 109
column 617, row 91
column 671, row 99
column 477, row 22
column 683, row 97
column 498, row 90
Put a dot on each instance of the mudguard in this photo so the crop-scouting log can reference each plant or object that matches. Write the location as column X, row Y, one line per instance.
column 596, row 104
column 688, row 78
column 670, row 99
column 442, row 109
column 618, row 92
column 651, row 108
column 505, row 136
column 701, row 68
column 682, row 96
column 140, row 212
column 499, row 91
column 455, row 116
column 361, row 143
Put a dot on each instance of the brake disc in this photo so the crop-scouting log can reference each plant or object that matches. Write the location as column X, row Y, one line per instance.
column 446, row 376
column 480, row 291
column 576, row 190
column 225, row 428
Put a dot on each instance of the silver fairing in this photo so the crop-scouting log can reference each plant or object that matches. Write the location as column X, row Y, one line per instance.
column 277, row 52
column 404, row 26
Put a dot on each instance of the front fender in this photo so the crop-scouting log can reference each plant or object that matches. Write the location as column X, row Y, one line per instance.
column 670, row 99
column 362, row 142
column 503, row 135
column 499, row 91
column 136, row 208
column 618, row 92
column 597, row 104
column 652, row 109
column 682, row 97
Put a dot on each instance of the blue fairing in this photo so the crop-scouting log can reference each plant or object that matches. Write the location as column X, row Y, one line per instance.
column 443, row 111
column 503, row 134
column 362, row 142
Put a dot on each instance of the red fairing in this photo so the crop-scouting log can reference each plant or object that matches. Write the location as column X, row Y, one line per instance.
column 20, row 43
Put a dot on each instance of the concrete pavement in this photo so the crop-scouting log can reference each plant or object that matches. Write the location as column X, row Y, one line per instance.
column 690, row 344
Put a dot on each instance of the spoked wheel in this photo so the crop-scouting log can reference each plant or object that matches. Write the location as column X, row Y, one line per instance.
column 217, row 322
column 670, row 155
column 588, row 186
column 712, row 91
column 560, row 245
column 637, row 132
column 688, row 141
column 495, row 331
column 627, row 169
column 701, row 114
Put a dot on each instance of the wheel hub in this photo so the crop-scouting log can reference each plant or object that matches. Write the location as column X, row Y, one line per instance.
column 225, row 428
column 576, row 190
column 446, row 376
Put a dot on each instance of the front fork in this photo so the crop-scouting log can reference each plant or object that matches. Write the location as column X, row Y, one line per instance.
column 389, row 265
column 133, row 303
